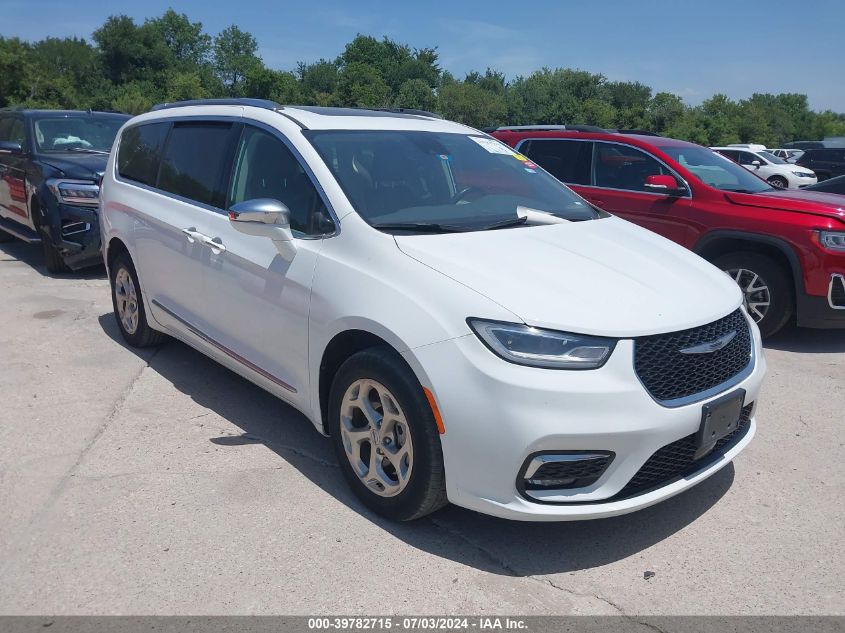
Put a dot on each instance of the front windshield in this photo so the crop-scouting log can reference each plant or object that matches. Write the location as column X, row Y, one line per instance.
column 717, row 171
column 90, row 133
column 439, row 179
column 777, row 160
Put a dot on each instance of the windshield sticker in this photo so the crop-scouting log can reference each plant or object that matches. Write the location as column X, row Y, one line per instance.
column 445, row 157
column 531, row 171
column 492, row 146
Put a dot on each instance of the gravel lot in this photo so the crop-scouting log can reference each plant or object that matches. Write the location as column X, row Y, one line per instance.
column 160, row 483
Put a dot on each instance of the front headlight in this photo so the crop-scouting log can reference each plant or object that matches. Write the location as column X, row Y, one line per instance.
column 802, row 174
column 525, row 345
column 834, row 240
column 75, row 192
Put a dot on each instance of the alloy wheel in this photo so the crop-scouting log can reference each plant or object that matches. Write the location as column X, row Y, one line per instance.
column 755, row 292
column 126, row 299
column 376, row 437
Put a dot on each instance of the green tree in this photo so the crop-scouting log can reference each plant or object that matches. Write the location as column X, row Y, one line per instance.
column 416, row 93
column 234, row 57
column 361, row 85
column 470, row 104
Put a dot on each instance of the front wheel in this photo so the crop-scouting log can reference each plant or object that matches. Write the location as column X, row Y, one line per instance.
column 778, row 182
column 53, row 260
column 385, row 436
column 766, row 288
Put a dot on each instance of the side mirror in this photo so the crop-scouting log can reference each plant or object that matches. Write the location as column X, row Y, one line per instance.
column 664, row 183
column 10, row 147
column 756, row 164
column 265, row 217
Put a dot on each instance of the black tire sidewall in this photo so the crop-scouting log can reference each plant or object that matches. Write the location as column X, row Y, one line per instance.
column 139, row 337
column 425, row 491
column 775, row 277
column 784, row 183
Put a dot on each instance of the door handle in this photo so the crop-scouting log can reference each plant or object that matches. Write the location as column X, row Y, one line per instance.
column 193, row 235
column 214, row 243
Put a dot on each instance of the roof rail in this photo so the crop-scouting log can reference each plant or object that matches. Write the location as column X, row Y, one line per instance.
column 255, row 103
column 539, row 128
column 412, row 111
column 633, row 131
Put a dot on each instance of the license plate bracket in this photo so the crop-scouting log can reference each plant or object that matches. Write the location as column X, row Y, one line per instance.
column 719, row 418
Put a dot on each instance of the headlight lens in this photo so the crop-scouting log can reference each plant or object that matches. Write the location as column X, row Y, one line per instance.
column 77, row 192
column 525, row 345
column 834, row 240
column 802, row 174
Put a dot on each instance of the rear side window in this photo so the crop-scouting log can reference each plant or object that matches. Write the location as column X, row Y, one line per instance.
column 624, row 167
column 140, row 152
column 195, row 160
column 568, row 161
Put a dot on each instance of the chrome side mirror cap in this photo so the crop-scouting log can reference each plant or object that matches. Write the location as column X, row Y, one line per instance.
column 265, row 217
column 261, row 210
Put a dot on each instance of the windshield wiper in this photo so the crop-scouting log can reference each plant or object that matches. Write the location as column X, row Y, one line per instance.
column 501, row 224
column 421, row 227
column 87, row 150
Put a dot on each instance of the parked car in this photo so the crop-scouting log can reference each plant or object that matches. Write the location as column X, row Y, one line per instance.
column 805, row 145
column 826, row 163
column 789, row 155
column 831, row 185
column 776, row 171
column 754, row 147
column 785, row 248
column 50, row 166
column 460, row 323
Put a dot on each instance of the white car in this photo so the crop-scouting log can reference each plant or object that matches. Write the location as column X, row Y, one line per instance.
column 776, row 171
column 789, row 155
column 463, row 326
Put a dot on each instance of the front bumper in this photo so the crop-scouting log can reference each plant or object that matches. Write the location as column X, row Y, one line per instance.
column 75, row 231
column 497, row 414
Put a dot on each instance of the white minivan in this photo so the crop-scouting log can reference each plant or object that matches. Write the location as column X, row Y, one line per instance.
column 463, row 326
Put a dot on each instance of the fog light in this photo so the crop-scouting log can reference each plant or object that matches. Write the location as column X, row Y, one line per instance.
column 561, row 471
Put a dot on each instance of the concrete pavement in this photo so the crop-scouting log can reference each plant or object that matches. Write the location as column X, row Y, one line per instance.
column 158, row 482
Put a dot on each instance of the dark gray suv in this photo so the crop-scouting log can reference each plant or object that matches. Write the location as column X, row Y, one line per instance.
column 51, row 162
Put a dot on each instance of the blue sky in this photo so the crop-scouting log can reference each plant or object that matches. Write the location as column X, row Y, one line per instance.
column 691, row 48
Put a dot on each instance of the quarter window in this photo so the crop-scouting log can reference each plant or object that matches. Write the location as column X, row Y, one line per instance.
column 140, row 152
column 12, row 129
column 195, row 160
column 623, row 167
column 266, row 168
column 568, row 161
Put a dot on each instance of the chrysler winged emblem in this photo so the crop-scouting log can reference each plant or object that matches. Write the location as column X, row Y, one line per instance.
column 710, row 346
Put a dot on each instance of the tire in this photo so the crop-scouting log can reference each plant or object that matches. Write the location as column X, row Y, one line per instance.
column 136, row 331
column 778, row 182
column 379, row 376
column 53, row 259
column 774, row 277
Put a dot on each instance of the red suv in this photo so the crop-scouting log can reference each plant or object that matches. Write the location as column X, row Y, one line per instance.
column 785, row 248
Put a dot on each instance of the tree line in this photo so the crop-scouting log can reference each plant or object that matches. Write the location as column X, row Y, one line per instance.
column 130, row 66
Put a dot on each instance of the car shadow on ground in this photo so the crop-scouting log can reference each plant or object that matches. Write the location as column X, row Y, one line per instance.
column 32, row 255
column 494, row 545
column 806, row 340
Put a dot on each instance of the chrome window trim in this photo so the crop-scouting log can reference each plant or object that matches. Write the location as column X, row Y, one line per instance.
column 674, row 172
column 207, row 207
column 833, row 278
column 733, row 381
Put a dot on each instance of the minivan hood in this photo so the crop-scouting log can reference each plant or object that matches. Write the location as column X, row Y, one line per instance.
column 79, row 165
column 797, row 200
column 605, row 277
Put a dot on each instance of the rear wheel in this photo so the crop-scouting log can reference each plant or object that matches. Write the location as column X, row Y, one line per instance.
column 129, row 305
column 766, row 288
column 778, row 182
column 385, row 436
